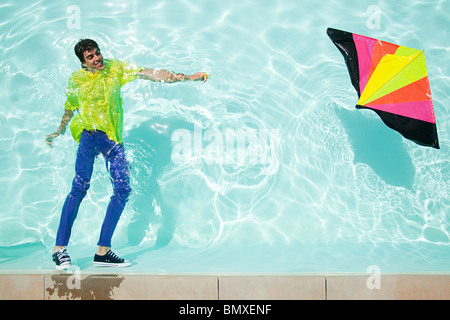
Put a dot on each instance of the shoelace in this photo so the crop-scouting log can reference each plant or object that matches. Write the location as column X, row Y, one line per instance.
column 62, row 255
column 114, row 255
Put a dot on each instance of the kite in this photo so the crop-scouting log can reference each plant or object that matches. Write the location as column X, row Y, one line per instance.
column 391, row 80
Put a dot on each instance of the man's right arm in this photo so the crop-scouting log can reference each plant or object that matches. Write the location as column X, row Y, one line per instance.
column 160, row 75
column 62, row 128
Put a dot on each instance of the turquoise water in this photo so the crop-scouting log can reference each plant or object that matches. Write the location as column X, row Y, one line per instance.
column 316, row 186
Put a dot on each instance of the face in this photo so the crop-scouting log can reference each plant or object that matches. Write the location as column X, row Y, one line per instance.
column 93, row 59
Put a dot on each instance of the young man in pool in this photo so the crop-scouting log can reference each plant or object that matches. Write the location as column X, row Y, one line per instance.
column 94, row 91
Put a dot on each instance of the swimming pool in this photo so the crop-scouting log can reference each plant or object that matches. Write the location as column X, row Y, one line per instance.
column 316, row 185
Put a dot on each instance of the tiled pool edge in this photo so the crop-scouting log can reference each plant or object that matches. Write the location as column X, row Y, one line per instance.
column 56, row 286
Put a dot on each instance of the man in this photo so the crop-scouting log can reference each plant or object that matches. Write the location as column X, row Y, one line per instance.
column 94, row 91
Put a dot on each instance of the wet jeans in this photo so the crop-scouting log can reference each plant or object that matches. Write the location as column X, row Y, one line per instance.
column 92, row 143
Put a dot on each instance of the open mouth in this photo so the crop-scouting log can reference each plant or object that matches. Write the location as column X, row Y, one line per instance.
column 99, row 64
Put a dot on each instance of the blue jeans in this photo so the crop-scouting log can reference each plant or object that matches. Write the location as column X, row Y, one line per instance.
column 92, row 143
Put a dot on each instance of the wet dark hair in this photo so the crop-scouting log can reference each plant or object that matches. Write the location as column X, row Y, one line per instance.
column 85, row 45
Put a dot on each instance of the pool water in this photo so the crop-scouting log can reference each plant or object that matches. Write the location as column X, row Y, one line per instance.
column 267, row 167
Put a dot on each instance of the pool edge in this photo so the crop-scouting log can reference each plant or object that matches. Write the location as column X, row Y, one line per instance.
column 110, row 286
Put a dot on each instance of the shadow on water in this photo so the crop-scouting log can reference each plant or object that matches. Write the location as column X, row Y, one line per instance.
column 152, row 148
column 379, row 147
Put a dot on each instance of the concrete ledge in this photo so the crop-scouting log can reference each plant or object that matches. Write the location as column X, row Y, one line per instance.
column 135, row 287
column 389, row 287
column 68, row 286
column 21, row 286
column 272, row 288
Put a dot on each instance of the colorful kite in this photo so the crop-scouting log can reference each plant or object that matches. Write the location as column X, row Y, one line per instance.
column 391, row 80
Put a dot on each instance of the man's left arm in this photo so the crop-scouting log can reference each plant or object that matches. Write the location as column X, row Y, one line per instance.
column 160, row 75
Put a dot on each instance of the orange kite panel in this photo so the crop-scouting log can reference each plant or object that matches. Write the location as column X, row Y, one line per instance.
column 416, row 91
column 379, row 51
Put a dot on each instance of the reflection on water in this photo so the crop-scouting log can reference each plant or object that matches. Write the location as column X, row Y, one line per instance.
column 337, row 181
